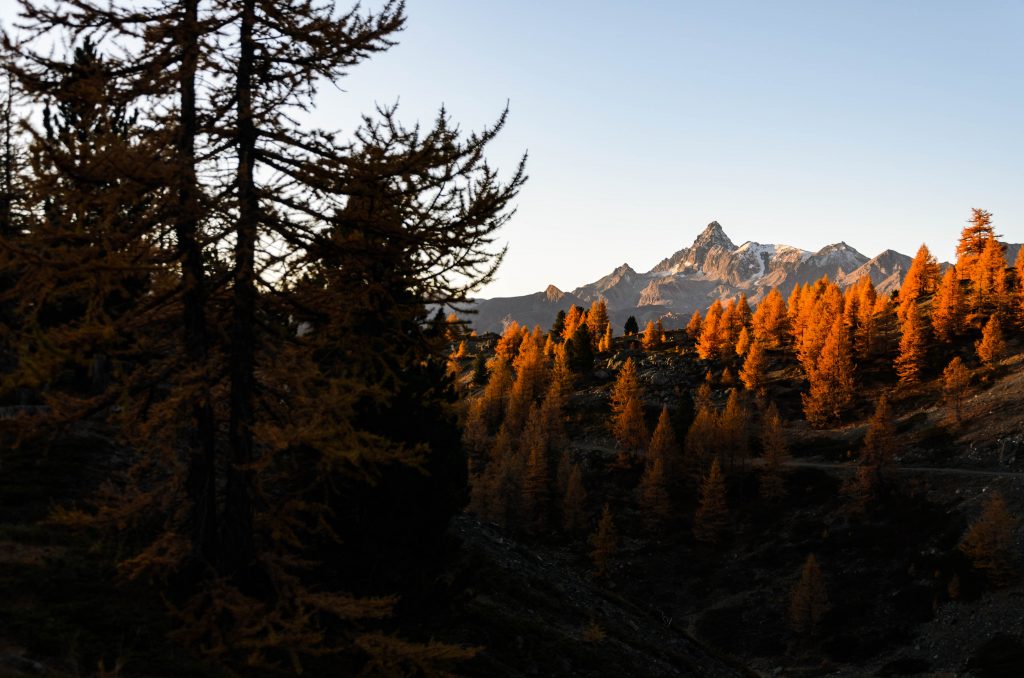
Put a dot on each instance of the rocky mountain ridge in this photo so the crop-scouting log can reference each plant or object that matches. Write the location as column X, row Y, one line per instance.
column 712, row 267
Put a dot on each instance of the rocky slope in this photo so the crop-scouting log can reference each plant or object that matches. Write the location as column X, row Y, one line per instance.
column 712, row 267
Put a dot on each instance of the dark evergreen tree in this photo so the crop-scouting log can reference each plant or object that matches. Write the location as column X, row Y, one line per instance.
column 631, row 327
column 558, row 327
column 580, row 350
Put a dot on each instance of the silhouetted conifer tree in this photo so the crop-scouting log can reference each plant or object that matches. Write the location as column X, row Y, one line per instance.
column 990, row 542
column 711, row 520
column 809, row 600
column 631, row 327
column 605, row 543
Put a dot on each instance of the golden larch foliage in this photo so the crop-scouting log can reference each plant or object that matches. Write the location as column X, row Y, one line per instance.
column 654, row 493
column 573, row 319
column 711, row 520
column 693, row 327
column 972, row 241
column 701, row 442
column 864, row 335
column 597, row 320
column 819, row 313
column 728, row 329
column 921, row 280
column 604, row 542
column 649, row 337
column 770, row 322
column 702, row 396
column 991, row 346
column 630, row 430
column 531, row 381
column 1018, row 301
column 628, row 424
column 880, row 439
column 743, row 342
column 626, row 388
column 913, row 351
column 793, row 305
column 495, row 397
column 709, row 343
column 774, row 450
column 552, row 414
column 664, row 445
column 733, row 429
column 990, row 542
column 741, row 315
column 955, row 380
column 990, row 288
column 831, row 379
column 808, row 602
column 508, row 345
column 606, row 341
column 949, row 309
column 536, row 488
column 561, row 372
column 752, row 374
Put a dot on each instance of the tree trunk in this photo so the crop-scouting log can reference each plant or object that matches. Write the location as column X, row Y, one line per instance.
column 239, row 550
column 200, row 483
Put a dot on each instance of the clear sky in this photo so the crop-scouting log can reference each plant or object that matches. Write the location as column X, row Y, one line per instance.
column 805, row 123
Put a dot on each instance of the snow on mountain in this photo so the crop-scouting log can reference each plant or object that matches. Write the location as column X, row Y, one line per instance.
column 712, row 267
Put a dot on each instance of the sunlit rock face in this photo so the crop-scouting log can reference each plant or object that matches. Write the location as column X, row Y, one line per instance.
column 710, row 268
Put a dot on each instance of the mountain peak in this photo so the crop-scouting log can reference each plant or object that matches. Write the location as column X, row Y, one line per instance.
column 552, row 293
column 625, row 268
column 840, row 246
column 713, row 234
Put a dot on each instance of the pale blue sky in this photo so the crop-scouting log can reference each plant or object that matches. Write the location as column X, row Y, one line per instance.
column 877, row 123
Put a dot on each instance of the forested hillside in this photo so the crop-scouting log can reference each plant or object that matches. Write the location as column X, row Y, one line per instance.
column 827, row 482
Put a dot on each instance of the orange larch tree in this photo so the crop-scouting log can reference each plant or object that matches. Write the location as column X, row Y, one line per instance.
column 711, row 520
column 809, row 600
column 693, row 326
column 628, row 424
column 949, row 309
column 743, row 342
column 913, row 352
column 972, row 241
column 752, row 374
column 573, row 319
column 709, row 346
column 770, row 322
column 651, row 338
column 921, row 281
column 734, row 430
column 774, row 451
column 664, row 446
column 597, row 320
column 990, row 288
column 655, row 502
column 831, row 378
column 605, row 542
column 701, row 444
column 865, row 334
column 991, row 346
column 955, row 380
column 508, row 345
column 990, row 542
